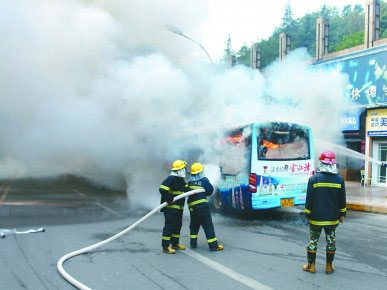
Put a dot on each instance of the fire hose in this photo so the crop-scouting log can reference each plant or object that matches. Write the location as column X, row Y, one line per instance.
column 6, row 232
column 81, row 286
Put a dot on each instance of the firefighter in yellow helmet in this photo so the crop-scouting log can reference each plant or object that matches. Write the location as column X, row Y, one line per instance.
column 199, row 208
column 172, row 186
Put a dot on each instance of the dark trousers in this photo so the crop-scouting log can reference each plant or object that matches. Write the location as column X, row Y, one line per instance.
column 201, row 216
column 172, row 227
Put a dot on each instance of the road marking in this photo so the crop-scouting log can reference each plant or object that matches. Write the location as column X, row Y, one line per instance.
column 227, row 271
column 100, row 205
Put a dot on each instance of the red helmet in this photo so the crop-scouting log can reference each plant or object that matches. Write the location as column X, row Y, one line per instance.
column 328, row 157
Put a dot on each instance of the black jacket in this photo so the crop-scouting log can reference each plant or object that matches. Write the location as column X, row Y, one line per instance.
column 325, row 199
column 171, row 187
column 199, row 199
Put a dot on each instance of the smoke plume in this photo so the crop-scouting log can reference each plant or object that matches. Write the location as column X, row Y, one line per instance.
column 101, row 89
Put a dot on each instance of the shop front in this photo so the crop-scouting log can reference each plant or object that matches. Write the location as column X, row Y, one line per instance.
column 353, row 134
column 376, row 146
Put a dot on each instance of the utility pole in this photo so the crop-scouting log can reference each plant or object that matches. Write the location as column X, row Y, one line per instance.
column 284, row 45
column 255, row 57
column 372, row 22
column 322, row 37
column 232, row 61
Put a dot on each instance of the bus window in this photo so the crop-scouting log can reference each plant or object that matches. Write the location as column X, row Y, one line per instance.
column 281, row 141
column 235, row 151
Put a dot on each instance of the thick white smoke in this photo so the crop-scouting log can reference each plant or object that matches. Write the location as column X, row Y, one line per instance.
column 101, row 89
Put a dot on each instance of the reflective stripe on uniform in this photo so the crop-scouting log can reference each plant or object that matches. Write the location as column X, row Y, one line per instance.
column 343, row 209
column 166, row 238
column 212, row 240
column 165, row 187
column 176, row 192
column 198, row 201
column 175, row 236
column 193, row 187
column 193, row 236
column 324, row 223
column 175, row 206
column 327, row 184
column 308, row 211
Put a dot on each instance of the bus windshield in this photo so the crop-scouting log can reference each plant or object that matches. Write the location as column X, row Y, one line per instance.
column 282, row 141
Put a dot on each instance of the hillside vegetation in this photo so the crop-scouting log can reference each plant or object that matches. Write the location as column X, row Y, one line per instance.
column 346, row 29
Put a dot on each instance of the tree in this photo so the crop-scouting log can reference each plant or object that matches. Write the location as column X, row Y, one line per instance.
column 288, row 23
column 347, row 9
column 305, row 34
column 328, row 12
column 383, row 19
column 243, row 55
column 269, row 49
column 228, row 50
column 350, row 23
column 354, row 39
column 346, row 29
column 358, row 8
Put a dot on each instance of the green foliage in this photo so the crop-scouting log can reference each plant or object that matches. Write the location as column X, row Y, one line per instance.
column 228, row 50
column 269, row 49
column 346, row 29
column 305, row 34
column 354, row 39
column 383, row 19
column 243, row 55
column 349, row 23
column 288, row 23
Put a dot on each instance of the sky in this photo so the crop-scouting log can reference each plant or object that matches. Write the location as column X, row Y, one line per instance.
column 249, row 20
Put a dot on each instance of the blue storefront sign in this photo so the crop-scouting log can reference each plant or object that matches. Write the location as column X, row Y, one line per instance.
column 350, row 121
column 377, row 133
column 367, row 72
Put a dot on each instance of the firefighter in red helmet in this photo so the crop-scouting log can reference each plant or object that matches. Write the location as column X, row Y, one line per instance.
column 325, row 207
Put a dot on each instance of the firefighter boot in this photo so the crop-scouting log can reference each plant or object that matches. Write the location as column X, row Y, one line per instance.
column 311, row 266
column 219, row 247
column 179, row 247
column 329, row 269
column 169, row 250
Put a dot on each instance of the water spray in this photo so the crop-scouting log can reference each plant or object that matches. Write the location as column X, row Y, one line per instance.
column 81, row 286
column 351, row 153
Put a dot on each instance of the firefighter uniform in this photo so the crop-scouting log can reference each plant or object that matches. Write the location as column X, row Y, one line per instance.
column 325, row 206
column 171, row 187
column 200, row 213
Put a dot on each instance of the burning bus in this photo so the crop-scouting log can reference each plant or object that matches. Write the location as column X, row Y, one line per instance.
column 264, row 165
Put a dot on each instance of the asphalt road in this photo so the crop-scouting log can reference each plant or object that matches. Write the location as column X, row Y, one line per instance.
column 264, row 251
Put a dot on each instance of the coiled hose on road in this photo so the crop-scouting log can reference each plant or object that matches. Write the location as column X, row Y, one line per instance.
column 81, row 286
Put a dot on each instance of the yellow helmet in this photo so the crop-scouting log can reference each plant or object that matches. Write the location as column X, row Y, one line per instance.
column 178, row 164
column 196, row 168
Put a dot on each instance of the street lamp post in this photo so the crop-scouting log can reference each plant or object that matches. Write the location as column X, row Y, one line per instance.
column 179, row 32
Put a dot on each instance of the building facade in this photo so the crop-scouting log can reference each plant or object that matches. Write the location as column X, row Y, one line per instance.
column 367, row 75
